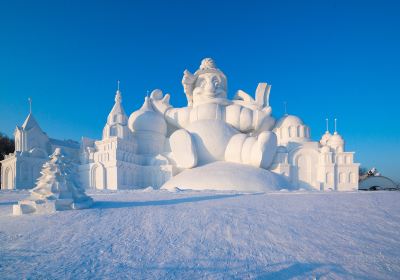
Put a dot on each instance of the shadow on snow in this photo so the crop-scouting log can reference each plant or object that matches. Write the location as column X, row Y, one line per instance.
column 123, row 204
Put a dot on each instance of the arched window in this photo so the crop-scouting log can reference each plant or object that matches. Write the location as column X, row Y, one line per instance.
column 329, row 178
column 342, row 177
column 8, row 179
column 352, row 178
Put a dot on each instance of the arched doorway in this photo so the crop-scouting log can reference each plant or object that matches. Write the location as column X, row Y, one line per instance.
column 97, row 177
column 304, row 164
column 8, row 179
column 303, row 170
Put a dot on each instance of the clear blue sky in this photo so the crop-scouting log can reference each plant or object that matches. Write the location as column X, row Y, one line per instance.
column 325, row 58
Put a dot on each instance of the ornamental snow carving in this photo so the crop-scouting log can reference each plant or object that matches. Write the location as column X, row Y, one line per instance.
column 56, row 189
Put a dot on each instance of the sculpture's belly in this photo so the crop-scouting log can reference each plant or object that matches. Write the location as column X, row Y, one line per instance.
column 211, row 138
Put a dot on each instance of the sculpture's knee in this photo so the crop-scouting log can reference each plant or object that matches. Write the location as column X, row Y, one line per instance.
column 258, row 152
column 183, row 149
column 239, row 149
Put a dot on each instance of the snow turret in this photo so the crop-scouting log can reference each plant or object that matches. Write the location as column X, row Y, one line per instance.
column 30, row 136
column 117, row 121
column 325, row 138
column 56, row 189
column 336, row 141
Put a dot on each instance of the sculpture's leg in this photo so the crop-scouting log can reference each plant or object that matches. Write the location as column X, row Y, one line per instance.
column 258, row 152
column 183, row 148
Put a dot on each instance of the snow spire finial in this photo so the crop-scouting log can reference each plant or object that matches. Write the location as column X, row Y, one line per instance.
column 118, row 96
column 327, row 125
column 30, row 105
column 147, row 93
column 285, row 105
column 335, row 125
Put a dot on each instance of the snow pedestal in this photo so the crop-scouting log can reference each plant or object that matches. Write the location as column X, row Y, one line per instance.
column 227, row 176
column 56, row 189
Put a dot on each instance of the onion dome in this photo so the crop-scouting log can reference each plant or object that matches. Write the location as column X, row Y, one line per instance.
column 325, row 138
column 336, row 142
column 291, row 128
column 147, row 119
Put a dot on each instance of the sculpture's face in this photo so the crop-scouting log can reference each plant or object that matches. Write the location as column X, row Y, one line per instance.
column 209, row 86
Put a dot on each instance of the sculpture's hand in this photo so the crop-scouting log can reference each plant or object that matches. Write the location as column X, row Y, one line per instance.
column 160, row 102
column 188, row 78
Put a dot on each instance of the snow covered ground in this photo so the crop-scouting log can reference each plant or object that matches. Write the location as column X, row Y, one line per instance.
column 191, row 235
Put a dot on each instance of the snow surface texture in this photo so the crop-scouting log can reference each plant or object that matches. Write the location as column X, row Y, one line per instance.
column 55, row 190
column 227, row 176
column 208, row 235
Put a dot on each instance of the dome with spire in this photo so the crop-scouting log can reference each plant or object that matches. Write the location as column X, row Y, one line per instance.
column 147, row 119
column 336, row 142
column 325, row 138
column 117, row 120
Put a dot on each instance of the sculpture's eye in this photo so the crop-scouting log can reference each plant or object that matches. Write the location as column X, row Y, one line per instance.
column 216, row 83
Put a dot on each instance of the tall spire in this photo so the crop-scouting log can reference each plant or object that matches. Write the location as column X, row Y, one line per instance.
column 335, row 125
column 118, row 96
column 117, row 120
column 327, row 125
column 30, row 105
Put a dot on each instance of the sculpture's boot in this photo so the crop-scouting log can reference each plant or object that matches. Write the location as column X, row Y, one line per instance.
column 258, row 152
column 183, row 149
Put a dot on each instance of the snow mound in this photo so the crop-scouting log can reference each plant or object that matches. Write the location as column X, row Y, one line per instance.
column 227, row 176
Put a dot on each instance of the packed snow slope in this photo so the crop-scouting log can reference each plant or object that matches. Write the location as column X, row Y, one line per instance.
column 211, row 235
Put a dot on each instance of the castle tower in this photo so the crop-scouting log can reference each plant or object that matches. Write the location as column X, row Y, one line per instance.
column 117, row 121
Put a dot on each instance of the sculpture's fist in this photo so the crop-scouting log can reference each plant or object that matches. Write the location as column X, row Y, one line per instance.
column 159, row 101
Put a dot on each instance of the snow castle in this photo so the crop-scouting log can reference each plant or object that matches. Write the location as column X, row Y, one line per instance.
column 212, row 143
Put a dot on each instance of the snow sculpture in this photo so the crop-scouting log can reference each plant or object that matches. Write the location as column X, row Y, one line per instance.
column 55, row 190
column 213, row 128
column 212, row 143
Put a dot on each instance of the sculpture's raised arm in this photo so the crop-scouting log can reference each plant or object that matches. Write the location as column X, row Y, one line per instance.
column 177, row 117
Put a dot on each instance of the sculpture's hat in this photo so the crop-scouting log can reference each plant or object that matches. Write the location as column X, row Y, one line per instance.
column 208, row 66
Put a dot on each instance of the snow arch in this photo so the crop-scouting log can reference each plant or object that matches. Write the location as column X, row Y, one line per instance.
column 8, row 178
column 97, row 177
column 304, row 172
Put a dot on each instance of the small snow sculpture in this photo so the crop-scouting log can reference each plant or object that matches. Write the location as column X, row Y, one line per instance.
column 56, row 189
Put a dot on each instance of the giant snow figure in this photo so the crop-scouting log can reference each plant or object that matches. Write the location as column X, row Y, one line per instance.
column 213, row 128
